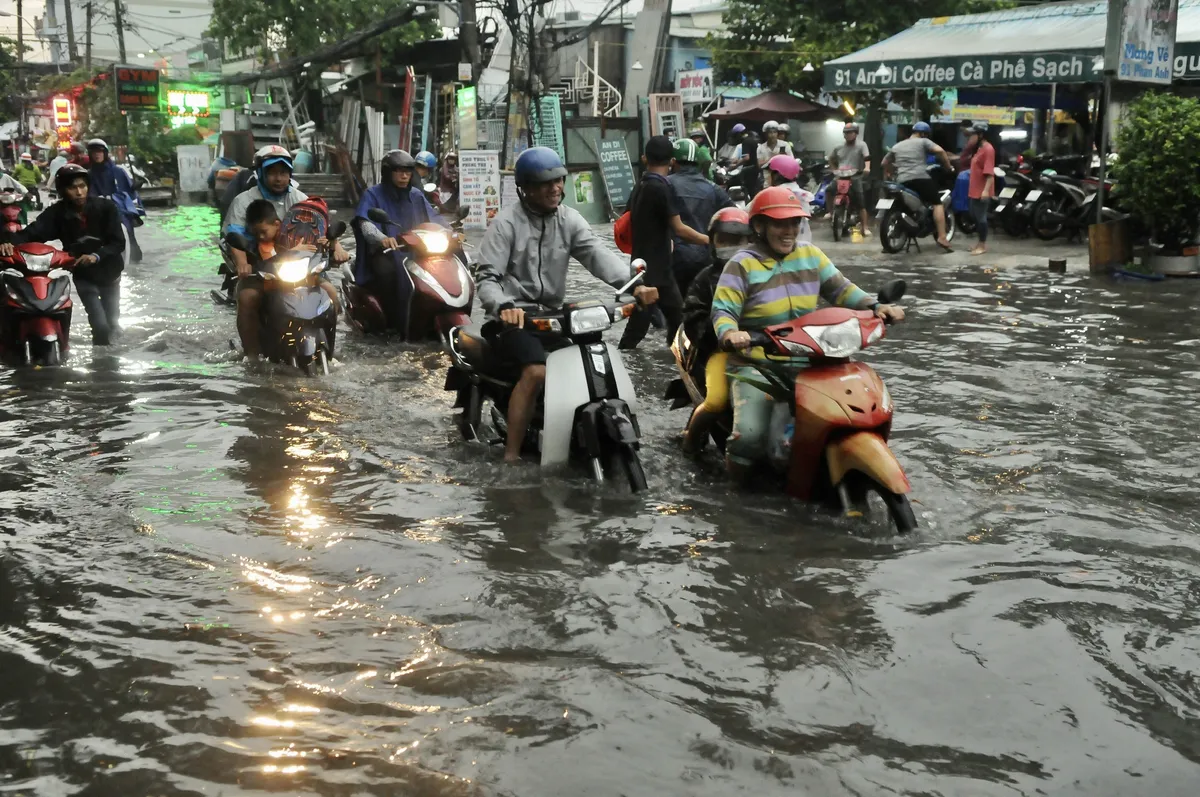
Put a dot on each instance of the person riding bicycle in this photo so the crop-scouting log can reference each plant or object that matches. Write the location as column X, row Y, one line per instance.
column 854, row 154
column 774, row 280
column 908, row 162
column 523, row 262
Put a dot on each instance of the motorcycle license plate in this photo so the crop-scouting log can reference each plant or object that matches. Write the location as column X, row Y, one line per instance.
column 884, row 204
column 1033, row 196
column 1008, row 193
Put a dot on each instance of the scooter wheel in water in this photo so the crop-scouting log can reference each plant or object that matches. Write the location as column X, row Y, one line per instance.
column 897, row 505
column 624, row 460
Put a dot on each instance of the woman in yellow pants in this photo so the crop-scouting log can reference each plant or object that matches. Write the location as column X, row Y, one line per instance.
column 728, row 233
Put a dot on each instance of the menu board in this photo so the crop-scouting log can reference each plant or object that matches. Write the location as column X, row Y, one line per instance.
column 479, row 186
column 616, row 171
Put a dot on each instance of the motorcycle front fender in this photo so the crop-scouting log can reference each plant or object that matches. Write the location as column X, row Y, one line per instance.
column 568, row 388
column 869, row 454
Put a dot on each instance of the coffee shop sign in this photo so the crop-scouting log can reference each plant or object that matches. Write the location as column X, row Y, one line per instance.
column 1001, row 70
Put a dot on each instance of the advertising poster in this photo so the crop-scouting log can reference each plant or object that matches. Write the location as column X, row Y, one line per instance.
column 137, row 88
column 508, row 190
column 518, row 128
column 694, row 85
column 479, row 186
column 467, row 127
column 1140, row 45
column 584, row 193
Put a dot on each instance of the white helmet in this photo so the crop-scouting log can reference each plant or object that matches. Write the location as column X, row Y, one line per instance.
column 783, row 127
column 769, row 126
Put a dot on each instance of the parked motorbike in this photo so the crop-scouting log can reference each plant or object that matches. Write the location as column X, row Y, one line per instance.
column 1010, row 201
column 10, row 211
column 820, row 196
column 298, row 325
column 844, row 214
column 829, row 430
column 904, row 218
column 587, row 412
column 1065, row 204
column 35, row 317
column 438, row 293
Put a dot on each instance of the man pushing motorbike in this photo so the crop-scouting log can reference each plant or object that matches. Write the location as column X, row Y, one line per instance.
column 773, row 281
column 76, row 215
column 908, row 161
column 523, row 263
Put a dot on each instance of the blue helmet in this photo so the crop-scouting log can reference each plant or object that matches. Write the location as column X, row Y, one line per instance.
column 539, row 165
column 427, row 159
column 922, row 127
column 738, row 128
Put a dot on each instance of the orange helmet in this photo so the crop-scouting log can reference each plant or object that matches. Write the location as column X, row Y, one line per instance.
column 730, row 221
column 777, row 203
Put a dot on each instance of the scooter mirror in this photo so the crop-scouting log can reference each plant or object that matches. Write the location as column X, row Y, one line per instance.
column 638, row 265
column 379, row 216
column 463, row 212
column 337, row 230
column 892, row 292
column 237, row 241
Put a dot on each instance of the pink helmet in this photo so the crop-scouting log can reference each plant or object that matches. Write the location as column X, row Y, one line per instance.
column 785, row 166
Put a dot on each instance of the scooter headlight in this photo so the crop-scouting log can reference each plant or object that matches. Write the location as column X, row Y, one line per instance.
column 435, row 242
column 37, row 262
column 589, row 319
column 837, row 340
column 293, row 270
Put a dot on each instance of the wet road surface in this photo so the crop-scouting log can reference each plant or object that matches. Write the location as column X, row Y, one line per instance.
column 215, row 581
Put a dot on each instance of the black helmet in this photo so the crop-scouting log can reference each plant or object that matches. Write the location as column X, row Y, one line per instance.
column 66, row 174
column 397, row 159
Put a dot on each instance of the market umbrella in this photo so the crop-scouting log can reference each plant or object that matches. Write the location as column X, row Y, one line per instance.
column 774, row 105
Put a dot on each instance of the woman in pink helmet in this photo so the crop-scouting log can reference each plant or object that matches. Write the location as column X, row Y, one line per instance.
column 784, row 171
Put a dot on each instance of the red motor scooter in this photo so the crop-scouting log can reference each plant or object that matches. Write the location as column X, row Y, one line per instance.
column 436, row 297
column 843, row 211
column 830, row 429
column 35, row 316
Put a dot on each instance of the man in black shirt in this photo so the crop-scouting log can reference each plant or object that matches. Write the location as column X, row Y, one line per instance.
column 655, row 210
column 97, row 275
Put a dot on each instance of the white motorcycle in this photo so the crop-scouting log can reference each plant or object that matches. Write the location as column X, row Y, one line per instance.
column 587, row 412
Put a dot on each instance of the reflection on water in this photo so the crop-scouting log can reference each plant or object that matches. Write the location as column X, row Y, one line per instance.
column 216, row 581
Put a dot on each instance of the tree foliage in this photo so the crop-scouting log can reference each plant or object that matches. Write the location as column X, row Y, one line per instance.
column 1156, row 170
column 295, row 27
column 770, row 41
column 10, row 106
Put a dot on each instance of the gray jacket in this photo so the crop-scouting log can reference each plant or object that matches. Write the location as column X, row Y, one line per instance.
column 524, row 257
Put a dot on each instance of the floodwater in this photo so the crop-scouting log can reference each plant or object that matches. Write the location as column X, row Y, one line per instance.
column 217, row 581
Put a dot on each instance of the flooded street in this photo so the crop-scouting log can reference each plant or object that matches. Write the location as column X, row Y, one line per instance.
column 218, row 581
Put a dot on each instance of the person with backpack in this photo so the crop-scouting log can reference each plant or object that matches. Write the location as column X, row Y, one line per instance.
column 655, row 218
column 699, row 201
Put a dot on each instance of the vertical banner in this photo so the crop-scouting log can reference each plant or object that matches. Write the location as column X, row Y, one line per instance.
column 479, row 186
column 467, row 127
column 508, row 190
column 547, row 125
column 517, row 140
column 1140, row 43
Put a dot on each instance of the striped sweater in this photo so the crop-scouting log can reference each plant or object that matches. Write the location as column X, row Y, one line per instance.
column 756, row 291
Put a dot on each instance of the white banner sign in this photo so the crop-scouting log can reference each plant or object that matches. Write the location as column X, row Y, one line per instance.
column 1140, row 45
column 694, row 85
column 194, row 160
column 479, row 186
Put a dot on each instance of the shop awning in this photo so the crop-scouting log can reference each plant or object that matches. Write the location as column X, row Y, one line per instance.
column 772, row 105
column 1035, row 45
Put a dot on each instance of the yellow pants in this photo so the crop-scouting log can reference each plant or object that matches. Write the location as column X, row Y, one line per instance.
column 716, row 383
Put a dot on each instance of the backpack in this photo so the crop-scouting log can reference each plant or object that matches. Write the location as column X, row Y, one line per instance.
column 304, row 223
column 623, row 226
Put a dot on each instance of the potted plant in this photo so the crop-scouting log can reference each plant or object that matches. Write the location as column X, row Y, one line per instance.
column 1157, row 178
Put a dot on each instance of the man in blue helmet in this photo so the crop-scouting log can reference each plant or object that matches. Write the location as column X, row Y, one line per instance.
column 523, row 262
column 407, row 206
column 908, row 164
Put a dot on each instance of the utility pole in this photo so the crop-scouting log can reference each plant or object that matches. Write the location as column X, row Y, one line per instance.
column 72, row 51
column 120, row 22
column 20, row 67
column 469, row 31
column 88, row 46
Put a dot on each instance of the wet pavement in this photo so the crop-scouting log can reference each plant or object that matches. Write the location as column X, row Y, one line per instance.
column 217, row 581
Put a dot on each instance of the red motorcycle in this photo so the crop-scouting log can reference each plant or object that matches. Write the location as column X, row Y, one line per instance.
column 832, row 420
column 843, row 212
column 35, row 317
column 436, row 290
column 10, row 211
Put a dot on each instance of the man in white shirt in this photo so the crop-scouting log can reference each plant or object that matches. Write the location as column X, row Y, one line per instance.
column 772, row 146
